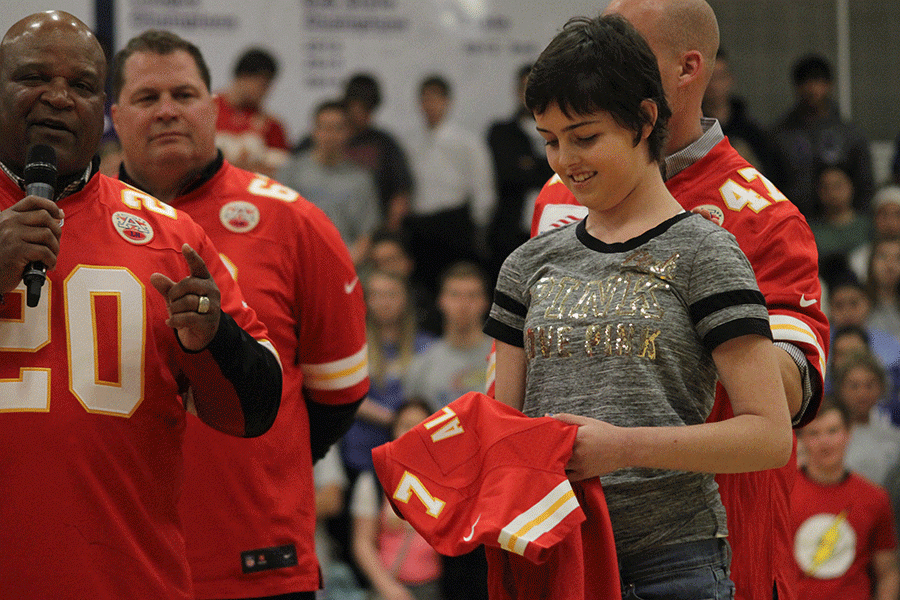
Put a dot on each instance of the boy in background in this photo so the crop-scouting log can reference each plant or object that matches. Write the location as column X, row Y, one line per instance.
column 845, row 544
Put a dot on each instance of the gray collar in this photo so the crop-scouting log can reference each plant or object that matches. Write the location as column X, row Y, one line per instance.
column 681, row 160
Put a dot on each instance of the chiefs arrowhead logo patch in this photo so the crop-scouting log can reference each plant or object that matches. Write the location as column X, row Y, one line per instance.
column 715, row 213
column 239, row 216
column 132, row 228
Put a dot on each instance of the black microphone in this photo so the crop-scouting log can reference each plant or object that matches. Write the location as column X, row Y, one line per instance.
column 40, row 181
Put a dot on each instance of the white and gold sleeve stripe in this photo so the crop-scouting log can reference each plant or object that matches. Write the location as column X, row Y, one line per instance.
column 271, row 348
column 491, row 370
column 543, row 516
column 337, row 375
column 792, row 329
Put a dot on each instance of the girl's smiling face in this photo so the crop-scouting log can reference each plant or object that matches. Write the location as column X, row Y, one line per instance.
column 595, row 157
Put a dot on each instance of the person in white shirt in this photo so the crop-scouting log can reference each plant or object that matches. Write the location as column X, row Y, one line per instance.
column 454, row 189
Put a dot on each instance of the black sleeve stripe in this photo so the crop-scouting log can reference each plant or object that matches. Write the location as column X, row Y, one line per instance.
column 734, row 329
column 504, row 333
column 508, row 303
column 711, row 304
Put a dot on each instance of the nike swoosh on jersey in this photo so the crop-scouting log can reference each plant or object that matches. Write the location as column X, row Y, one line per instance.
column 804, row 303
column 348, row 287
column 468, row 538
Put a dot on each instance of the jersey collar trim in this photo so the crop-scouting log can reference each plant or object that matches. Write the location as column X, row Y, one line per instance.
column 208, row 172
column 70, row 189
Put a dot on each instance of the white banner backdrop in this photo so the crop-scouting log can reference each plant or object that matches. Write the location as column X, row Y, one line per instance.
column 478, row 45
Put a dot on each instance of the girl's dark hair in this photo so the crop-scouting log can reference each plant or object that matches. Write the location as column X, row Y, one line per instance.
column 601, row 64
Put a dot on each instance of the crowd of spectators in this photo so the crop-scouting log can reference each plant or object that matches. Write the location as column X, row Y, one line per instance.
column 429, row 219
column 441, row 223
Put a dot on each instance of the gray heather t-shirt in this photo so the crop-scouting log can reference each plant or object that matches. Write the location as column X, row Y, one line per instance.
column 443, row 373
column 624, row 333
column 345, row 192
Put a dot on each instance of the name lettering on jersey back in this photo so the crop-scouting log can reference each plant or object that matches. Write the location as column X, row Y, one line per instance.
column 450, row 425
column 629, row 294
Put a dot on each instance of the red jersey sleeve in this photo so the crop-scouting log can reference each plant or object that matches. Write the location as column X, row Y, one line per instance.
column 777, row 241
column 331, row 335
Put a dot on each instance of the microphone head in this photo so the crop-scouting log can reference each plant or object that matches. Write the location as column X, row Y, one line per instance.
column 40, row 165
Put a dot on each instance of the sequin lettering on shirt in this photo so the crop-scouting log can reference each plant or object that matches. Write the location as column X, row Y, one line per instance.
column 629, row 295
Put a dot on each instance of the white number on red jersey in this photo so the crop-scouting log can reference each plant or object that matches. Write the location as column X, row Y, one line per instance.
column 409, row 485
column 105, row 350
column 736, row 196
column 269, row 188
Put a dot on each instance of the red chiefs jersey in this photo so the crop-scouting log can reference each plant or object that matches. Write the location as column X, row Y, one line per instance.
column 837, row 528
column 92, row 424
column 244, row 122
column 780, row 246
column 247, row 495
column 480, row 472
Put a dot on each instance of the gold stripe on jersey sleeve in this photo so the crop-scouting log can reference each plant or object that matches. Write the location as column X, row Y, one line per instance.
column 792, row 329
column 339, row 374
column 543, row 516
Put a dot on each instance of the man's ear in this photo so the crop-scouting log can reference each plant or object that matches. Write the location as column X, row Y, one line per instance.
column 692, row 65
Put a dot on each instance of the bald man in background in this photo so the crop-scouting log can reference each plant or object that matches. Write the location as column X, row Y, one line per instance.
column 703, row 171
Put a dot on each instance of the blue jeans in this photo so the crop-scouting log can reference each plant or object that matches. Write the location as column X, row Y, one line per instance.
column 690, row 571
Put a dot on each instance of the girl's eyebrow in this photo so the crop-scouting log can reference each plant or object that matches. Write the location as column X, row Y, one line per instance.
column 572, row 126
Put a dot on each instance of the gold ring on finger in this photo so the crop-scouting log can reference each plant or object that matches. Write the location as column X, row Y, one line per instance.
column 203, row 305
